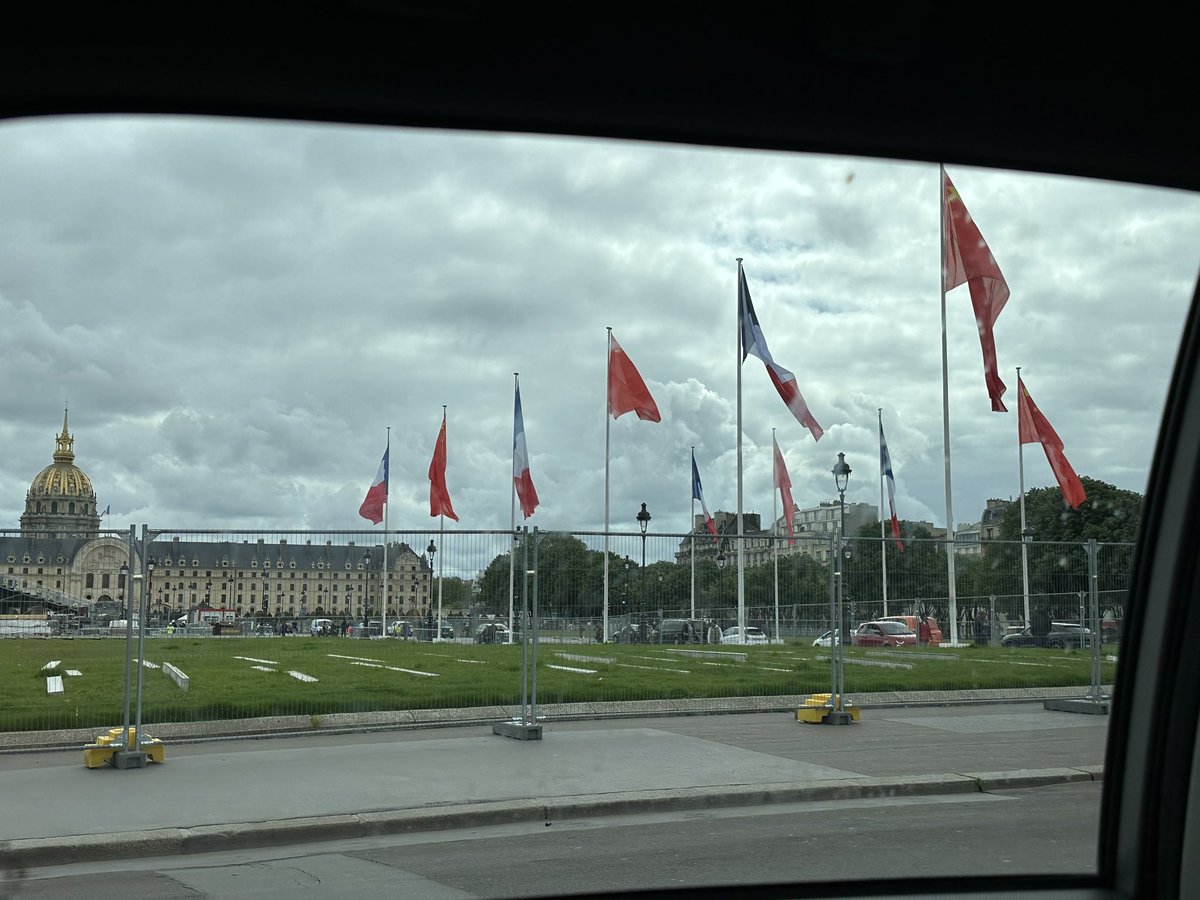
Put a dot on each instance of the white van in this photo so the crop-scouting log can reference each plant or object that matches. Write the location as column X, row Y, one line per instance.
column 321, row 626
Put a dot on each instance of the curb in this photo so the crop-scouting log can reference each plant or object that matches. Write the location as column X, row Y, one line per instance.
column 33, row 853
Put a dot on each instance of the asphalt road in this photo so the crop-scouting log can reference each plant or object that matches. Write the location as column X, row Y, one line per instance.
column 1035, row 830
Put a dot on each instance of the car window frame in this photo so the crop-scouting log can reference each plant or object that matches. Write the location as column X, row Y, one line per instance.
column 899, row 85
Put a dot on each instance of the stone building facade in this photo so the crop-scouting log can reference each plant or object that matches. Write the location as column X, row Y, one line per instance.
column 62, row 561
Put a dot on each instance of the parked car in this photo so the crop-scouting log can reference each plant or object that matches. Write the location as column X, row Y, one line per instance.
column 884, row 634
column 828, row 639
column 679, row 631
column 492, row 633
column 754, row 635
column 1062, row 636
column 320, row 626
column 929, row 632
column 634, row 634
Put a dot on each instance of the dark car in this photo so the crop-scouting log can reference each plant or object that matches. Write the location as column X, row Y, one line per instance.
column 1062, row 636
column 679, row 631
column 634, row 634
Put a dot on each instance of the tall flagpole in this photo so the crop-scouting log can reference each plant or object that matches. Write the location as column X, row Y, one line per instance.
column 512, row 522
column 1021, row 476
column 690, row 475
column 442, row 556
column 741, row 575
column 882, row 534
column 386, row 504
column 607, row 445
column 441, row 564
column 775, row 535
column 950, row 577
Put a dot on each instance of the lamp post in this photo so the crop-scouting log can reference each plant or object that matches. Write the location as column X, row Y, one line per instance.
column 121, row 588
column 643, row 520
column 366, row 561
column 431, row 552
column 838, row 714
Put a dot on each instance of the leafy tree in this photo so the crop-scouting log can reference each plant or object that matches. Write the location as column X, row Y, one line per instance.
column 1109, row 514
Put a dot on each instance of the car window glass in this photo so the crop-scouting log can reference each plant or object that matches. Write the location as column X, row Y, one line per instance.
column 236, row 312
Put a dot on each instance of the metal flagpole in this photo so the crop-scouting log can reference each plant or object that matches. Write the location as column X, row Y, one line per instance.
column 741, row 574
column 512, row 524
column 386, row 488
column 882, row 533
column 441, row 558
column 950, row 577
column 693, row 534
column 775, row 535
column 1021, row 477
column 607, row 444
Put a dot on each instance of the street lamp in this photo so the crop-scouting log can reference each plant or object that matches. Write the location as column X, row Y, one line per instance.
column 643, row 520
column 121, row 588
column 838, row 715
column 431, row 551
column 149, row 575
column 366, row 562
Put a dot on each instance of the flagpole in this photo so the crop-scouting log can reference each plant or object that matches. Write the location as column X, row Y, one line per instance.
column 512, row 522
column 775, row 534
column 441, row 564
column 690, row 475
column 950, row 577
column 1021, row 477
column 386, row 487
column 882, row 533
column 741, row 575
column 607, row 446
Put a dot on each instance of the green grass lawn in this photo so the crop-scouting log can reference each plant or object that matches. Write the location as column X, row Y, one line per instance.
column 360, row 676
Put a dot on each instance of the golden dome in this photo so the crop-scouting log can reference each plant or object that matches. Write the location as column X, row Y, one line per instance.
column 62, row 478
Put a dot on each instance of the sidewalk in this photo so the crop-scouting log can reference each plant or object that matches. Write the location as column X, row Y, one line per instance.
column 319, row 786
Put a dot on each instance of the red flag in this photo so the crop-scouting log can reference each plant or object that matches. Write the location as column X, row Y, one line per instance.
column 439, row 496
column 784, row 485
column 969, row 261
column 626, row 390
column 1035, row 428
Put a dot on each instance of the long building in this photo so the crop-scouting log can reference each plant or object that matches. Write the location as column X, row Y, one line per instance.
column 62, row 561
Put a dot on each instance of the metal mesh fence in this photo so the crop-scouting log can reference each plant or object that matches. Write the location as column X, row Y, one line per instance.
column 442, row 608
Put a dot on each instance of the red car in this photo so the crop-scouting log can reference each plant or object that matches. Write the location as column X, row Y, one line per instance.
column 884, row 634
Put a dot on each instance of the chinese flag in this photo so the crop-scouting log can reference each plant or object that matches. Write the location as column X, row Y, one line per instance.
column 439, row 496
column 1034, row 428
column 626, row 390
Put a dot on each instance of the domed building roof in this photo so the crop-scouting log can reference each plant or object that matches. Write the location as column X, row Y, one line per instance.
column 61, row 500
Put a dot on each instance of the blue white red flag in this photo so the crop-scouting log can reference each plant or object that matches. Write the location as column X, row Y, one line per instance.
column 755, row 344
column 698, row 494
column 372, row 505
column 522, row 480
column 885, row 466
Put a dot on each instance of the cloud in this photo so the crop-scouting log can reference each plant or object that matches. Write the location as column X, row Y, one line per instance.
column 236, row 311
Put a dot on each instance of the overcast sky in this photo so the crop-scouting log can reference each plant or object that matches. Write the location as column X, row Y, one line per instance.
column 236, row 311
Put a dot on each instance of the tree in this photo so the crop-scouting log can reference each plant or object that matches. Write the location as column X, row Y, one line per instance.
column 1057, row 561
column 1110, row 515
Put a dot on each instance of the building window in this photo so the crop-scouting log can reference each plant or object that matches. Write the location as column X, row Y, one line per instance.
column 89, row 580
column 104, row 580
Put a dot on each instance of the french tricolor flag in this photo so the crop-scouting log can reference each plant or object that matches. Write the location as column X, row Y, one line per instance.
column 698, row 494
column 755, row 344
column 372, row 505
column 885, row 467
column 522, row 480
